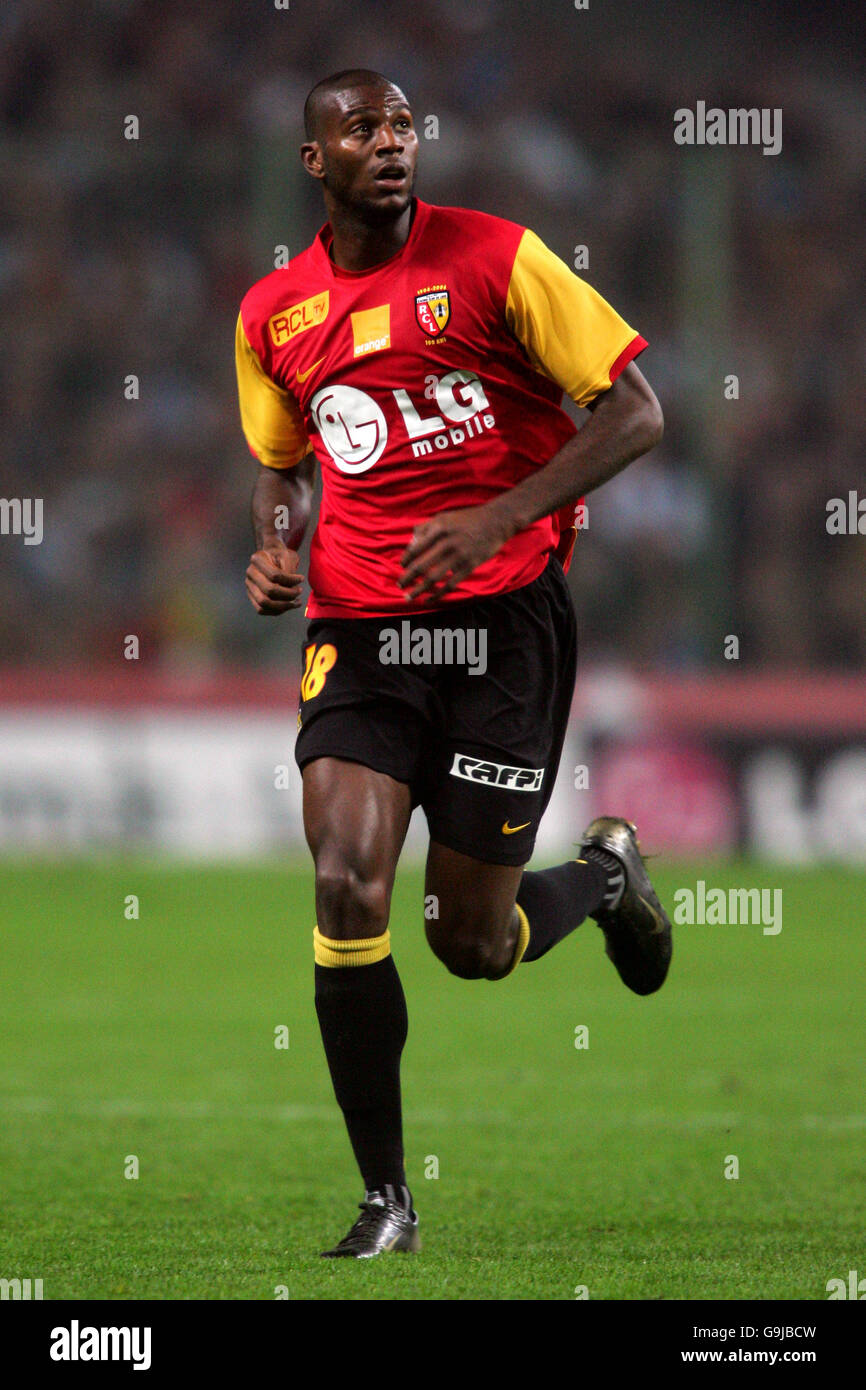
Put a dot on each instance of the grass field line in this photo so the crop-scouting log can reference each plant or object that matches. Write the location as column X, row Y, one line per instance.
column 301, row 1114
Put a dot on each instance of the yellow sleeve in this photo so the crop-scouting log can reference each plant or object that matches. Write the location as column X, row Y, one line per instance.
column 270, row 417
column 568, row 331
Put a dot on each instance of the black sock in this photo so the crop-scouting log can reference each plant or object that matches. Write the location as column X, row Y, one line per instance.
column 363, row 1019
column 401, row 1195
column 557, row 900
column 615, row 875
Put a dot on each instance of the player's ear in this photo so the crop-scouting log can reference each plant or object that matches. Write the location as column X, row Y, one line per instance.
column 311, row 158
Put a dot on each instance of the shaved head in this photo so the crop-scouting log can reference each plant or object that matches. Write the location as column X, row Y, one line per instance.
column 322, row 95
column 362, row 148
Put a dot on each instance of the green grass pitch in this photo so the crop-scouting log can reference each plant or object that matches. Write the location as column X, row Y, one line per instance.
column 558, row 1167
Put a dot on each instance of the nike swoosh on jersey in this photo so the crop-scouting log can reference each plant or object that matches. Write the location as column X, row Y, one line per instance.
column 302, row 376
column 512, row 829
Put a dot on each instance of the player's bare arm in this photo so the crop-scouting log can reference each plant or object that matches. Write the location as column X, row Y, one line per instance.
column 272, row 579
column 625, row 422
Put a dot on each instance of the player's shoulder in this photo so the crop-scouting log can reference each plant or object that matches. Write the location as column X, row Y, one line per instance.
column 479, row 248
column 280, row 288
column 483, row 230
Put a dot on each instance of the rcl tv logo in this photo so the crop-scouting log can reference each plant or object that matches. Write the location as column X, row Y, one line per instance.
column 355, row 431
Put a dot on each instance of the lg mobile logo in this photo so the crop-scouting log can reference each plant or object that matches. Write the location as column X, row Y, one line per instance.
column 355, row 431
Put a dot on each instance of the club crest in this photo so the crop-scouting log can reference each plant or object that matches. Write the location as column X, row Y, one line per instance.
column 433, row 310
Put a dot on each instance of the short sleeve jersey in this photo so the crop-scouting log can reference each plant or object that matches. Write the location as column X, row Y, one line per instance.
column 432, row 381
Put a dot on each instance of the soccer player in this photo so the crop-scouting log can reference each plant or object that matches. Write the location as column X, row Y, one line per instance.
column 419, row 354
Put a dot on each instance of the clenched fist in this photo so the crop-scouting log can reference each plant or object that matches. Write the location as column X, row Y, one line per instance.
column 273, row 582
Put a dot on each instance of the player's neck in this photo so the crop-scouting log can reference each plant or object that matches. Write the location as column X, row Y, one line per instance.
column 358, row 245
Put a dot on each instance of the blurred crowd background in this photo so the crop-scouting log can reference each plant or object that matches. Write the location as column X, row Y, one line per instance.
column 122, row 257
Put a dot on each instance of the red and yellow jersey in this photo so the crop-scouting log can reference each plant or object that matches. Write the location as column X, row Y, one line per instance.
column 432, row 381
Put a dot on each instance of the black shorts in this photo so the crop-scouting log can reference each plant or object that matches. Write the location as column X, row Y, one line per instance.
column 468, row 706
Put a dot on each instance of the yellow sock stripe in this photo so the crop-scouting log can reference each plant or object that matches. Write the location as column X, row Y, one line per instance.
column 522, row 939
column 329, row 951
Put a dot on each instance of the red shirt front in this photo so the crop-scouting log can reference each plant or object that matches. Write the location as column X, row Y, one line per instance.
column 432, row 381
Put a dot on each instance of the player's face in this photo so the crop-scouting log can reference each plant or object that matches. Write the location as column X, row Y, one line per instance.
column 368, row 150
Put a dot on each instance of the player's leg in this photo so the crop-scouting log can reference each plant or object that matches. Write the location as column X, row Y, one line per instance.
column 361, row 736
column 355, row 821
column 487, row 798
column 469, row 914
column 489, row 917
column 485, row 804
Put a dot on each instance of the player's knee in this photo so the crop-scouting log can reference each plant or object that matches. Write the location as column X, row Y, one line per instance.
column 471, row 957
column 350, row 904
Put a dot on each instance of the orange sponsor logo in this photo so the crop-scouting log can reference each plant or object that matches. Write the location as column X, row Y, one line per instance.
column 371, row 329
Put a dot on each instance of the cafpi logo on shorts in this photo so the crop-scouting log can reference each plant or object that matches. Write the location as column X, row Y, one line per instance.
column 516, row 779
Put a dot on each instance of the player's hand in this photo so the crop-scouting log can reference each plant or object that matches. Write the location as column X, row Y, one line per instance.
column 273, row 582
column 447, row 548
